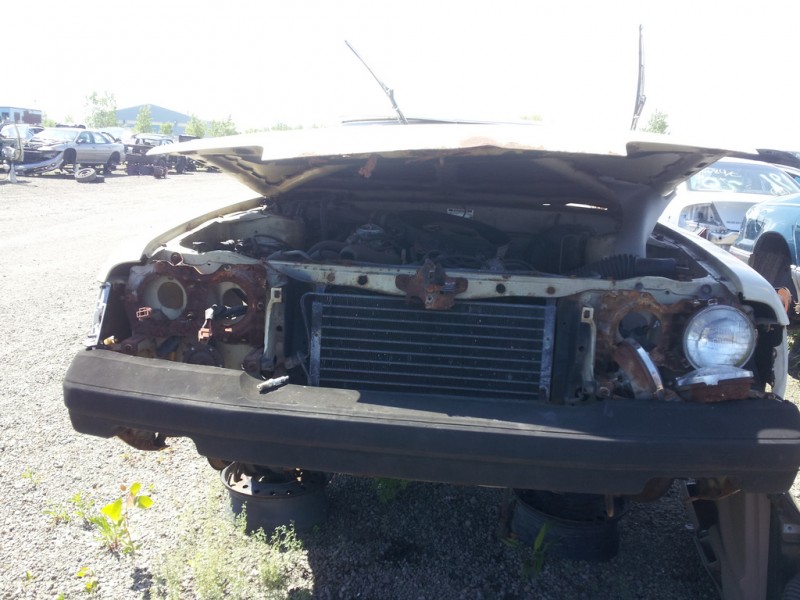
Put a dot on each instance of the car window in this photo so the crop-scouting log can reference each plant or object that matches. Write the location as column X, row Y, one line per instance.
column 85, row 138
column 752, row 228
column 100, row 138
column 743, row 178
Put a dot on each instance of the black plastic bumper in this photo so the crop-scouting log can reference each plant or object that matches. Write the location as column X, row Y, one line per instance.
column 614, row 447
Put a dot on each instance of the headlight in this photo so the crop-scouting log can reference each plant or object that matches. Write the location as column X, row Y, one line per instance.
column 719, row 335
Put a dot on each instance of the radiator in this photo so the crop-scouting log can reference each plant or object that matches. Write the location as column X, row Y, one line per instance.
column 476, row 349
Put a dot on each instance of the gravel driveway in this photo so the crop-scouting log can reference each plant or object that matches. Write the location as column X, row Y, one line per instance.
column 431, row 541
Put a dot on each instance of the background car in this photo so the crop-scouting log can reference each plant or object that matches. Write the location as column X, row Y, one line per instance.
column 64, row 147
column 24, row 131
column 713, row 202
column 137, row 147
column 768, row 241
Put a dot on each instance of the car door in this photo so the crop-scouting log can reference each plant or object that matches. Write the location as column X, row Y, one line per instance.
column 85, row 148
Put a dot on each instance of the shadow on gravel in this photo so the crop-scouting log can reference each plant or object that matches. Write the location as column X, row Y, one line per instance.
column 446, row 542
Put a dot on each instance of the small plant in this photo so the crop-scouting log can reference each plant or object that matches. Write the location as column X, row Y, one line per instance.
column 57, row 512
column 31, row 476
column 90, row 583
column 112, row 522
column 533, row 564
column 388, row 489
column 82, row 508
column 221, row 560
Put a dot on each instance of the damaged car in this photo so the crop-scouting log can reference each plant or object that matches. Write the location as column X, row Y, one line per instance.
column 713, row 202
column 475, row 304
column 62, row 148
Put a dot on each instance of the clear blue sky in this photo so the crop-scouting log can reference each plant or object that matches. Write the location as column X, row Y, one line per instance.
column 716, row 68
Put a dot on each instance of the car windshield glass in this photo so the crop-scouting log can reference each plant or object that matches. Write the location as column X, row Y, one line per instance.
column 744, row 178
column 61, row 135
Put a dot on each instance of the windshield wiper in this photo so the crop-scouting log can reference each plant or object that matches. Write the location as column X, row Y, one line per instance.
column 386, row 89
column 640, row 97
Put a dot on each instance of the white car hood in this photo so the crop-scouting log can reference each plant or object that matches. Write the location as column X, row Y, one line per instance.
column 274, row 162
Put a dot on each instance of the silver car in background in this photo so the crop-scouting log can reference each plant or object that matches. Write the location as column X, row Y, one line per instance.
column 64, row 147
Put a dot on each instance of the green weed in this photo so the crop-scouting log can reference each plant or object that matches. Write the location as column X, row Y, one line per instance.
column 388, row 489
column 217, row 559
column 90, row 582
column 31, row 476
column 112, row 522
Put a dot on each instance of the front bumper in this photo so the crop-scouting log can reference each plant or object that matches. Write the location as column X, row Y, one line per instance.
column 43, row 165
column 611, row 447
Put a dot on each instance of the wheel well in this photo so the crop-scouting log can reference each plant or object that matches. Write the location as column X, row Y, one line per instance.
column 114, row 158
column 772, row 243
column 69, row 155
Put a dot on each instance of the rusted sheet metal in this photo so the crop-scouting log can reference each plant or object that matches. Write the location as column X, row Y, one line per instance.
column 165, row 299
column 431, row 287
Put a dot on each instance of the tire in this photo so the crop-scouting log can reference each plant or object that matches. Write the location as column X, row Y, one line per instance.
column 774, row 264
column 110, row 165
column 87, row 175
column 68, row 164
column 159, row 172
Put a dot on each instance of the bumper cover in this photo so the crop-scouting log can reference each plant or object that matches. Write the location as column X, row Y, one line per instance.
column 612, row 447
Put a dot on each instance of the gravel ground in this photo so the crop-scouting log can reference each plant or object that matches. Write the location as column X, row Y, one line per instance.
column 432, row 541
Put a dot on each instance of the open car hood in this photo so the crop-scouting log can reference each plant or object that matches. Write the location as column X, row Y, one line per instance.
column 272, row 163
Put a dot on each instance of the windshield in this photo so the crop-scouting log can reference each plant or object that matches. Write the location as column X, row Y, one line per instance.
column 749, row 178
column 61, row 135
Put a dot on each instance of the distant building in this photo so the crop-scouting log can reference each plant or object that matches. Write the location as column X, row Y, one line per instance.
column 126, row 117
column 29, row 116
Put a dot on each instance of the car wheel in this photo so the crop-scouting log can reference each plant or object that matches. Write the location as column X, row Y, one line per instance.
column 68, row 163
column 109, row 166
column 773, row 264
column 87, row 175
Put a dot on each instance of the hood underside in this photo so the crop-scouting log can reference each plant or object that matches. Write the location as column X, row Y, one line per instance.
column 272, row 163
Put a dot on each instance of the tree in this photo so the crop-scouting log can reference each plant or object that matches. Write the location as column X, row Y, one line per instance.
column 196, row 127
column 47, row 121
column 166, row 128
column 220, row 128
column 144, row 122
column 657, row 122
column 102, row 110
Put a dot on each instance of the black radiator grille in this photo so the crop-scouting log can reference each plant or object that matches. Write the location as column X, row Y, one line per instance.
column 475, row 349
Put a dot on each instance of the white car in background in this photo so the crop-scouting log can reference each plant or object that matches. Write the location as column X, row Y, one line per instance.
column 713, row 202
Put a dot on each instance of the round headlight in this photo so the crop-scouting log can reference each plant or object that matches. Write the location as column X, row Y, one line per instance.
column 719, row 335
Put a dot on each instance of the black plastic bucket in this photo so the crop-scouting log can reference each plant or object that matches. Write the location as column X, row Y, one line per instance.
column 578, row 525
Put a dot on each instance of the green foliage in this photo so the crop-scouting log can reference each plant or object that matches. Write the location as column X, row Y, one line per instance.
column 533, row 564
column 196, row 127
column 80, row 508
column 101, row 110
column 166, row 128
column 90, row 582
column 47, row 121
column 112, row 522
column 388, row 489
column 535, row 555
column 144, row 120
column 657, row 122
column 535, row 118
column 31, row 476
column 216, row 559
column 221, row 128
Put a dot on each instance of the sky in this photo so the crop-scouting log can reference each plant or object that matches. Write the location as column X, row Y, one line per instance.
column 723, row 70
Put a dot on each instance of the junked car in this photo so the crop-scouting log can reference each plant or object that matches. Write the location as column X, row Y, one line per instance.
column 56, row 148
column 475, row 304
column 712, row 203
